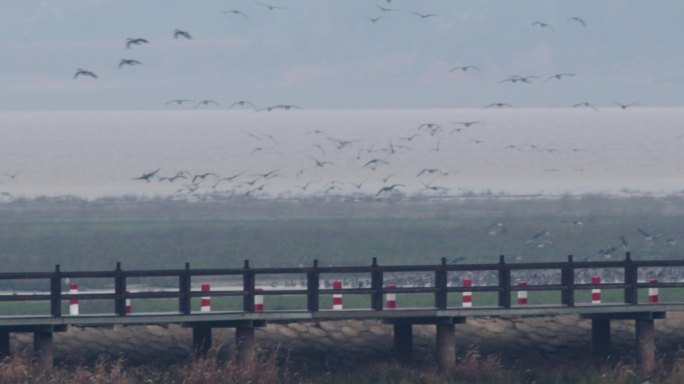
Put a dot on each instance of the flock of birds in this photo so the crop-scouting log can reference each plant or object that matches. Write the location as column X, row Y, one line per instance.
column 386, row 11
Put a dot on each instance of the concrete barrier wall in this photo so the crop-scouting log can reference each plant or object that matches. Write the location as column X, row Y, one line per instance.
column 339, row 344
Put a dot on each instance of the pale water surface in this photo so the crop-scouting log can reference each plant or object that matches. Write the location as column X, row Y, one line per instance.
column 511, row 152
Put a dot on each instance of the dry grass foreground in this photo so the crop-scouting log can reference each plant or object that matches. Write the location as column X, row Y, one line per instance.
column 269, row 368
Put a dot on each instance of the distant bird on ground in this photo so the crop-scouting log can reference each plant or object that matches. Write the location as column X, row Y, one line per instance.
column 423, row 15
column 147, row 176
column 83, row 72
column 135, row 41
column 235, row 12
column 578, row 20
column 270, row 7
column 585, row 104
column 128, row 62
column 559, row 76
column 464, row 68
column 624, row 106
column 179, row 33
column 498, row 105
column 178, row 101
column 242, row 103
column 542, row 25
column 206, row 102
column 388, row 188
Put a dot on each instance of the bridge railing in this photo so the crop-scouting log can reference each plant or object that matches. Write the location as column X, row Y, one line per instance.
column 440, row 284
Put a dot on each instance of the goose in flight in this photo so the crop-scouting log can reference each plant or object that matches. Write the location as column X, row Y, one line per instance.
column 235, row 12
column 322, row 163
column 83, row 72
column 542, row 25
column 423, row 15
column 178, row 101
column 578, row 20
column 242, row 103
column 388, row 188
column 135, row 41
column 270, row 7
column 178, row 33
column 586, row 105
column 624, row 106
column 383, row 9
column 467, row 124
column 559, row 76
column 202, row 176
column 279, row 106
column 374, row 163
column 498, row 105
column 464, row 68
column 206, row 102
column 432, row 171
column 375, row 19
column 128, row 62
column 516, row 78
column 147, row 176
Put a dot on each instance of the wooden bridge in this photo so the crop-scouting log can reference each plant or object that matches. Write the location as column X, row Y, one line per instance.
column 445, row 308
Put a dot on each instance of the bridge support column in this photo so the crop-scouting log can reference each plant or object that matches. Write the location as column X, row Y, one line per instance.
column 446, row 346
column 201, row 339
column 403, row 341
column 4, row 344
column 600, row 337
column 645, row 344
column 43, row 348
column 244, row 339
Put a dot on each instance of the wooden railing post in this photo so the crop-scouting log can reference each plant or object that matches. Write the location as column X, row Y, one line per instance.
column 376, row 286
column 184, row 288
column 56, row 293
column 441, row 285
column 504, row 283
column 248, row 288
column 631, row 290
column 312, row 288
column 119, row 291
column 568, row 283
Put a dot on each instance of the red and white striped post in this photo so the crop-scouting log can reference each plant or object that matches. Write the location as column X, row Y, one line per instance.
column 522, row 295
column 205, row 301
column 337, row 297
column 258, row 300
column 391, row 298
column 467, row 296
column 128, row 308
column 73, row 303
column 596, row 292
column 653, row 291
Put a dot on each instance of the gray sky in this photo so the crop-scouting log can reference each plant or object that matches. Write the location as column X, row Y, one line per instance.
column 328, row 54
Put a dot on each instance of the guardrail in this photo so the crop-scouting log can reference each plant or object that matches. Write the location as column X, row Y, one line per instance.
column 440, row 286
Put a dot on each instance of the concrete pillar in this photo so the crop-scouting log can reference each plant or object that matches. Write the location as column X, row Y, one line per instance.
column 43, row 348
column 403, row 341
column 600, row 337
column 446, row 346
column 244, row 339
column 645, row 344
column 4, row 344
column 201, row 339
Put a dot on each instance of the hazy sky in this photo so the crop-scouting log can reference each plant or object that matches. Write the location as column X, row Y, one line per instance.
column 328, row 53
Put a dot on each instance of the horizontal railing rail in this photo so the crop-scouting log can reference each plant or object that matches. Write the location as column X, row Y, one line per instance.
column 439, row 280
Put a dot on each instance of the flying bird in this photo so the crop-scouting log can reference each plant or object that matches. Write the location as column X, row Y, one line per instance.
column 128, row 62
column 578, row 20
column 559, row 76
column 206, row 102
column 498, row 105
column 624, row 106
column 83, row 72
column 235, row 12
column 464, row 68
column 383, row 9
column 586, row 105
column 178, row 33
column 542, row 25
column 423, row 15
column 147, row 176
column 388, row 188
column 467, row 124
column 375, row 19
column 242, row 103
column 178, row 101
column 135, row 41
column 432, row 171
column 202, row 176
column 270, row 7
